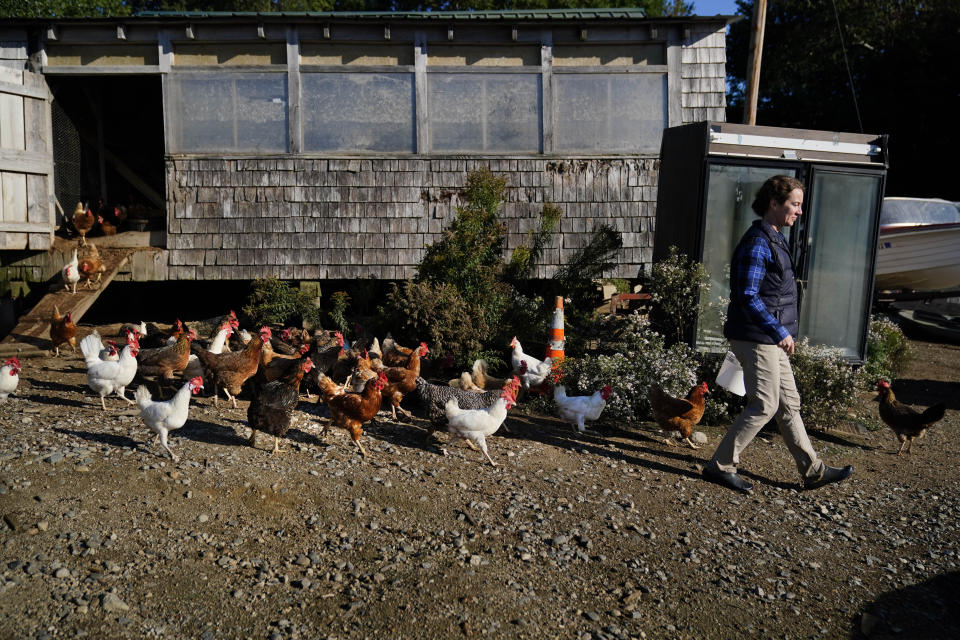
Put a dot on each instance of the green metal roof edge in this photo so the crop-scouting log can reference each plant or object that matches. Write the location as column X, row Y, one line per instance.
column 533, row 14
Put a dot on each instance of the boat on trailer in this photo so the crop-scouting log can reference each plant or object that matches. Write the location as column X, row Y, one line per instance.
column 919, row 245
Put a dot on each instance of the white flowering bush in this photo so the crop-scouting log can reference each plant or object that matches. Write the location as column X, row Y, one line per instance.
column 888, row 352
column 629, row 356
column 826, row 382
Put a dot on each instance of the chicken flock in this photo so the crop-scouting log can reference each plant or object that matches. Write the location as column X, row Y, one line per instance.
column 353, row 383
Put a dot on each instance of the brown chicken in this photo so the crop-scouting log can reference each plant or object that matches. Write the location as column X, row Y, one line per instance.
column 83, row 221
column 403, row 380
column 62, row 331
column 277, row 366
column 230, row 370
column 108, row 228
column 271, row 407
column 678, row 414
column 91, row 267
column 351, row 411
column 393, row 355
column 906, row 422
column 163, row 362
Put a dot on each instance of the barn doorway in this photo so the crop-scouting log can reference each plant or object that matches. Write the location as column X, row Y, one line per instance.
column 108, row 154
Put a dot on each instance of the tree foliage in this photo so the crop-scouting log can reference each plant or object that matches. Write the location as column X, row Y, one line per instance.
column 900, row 54
column 116, row 8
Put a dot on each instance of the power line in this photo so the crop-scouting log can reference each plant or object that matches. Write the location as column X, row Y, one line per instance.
column 846, row 63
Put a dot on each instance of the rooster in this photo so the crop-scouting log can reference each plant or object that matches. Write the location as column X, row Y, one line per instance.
column 272, row 405
column 474, row 425
column 163, row 417
column 577, row 409
column 62, row 331
column 83, row 221
column 351, row 410
column 71, row 273
column 228, row 371
column 678, row 414
column 9, row 378
column 107, row 376
column 906, row 422
column 91, row 266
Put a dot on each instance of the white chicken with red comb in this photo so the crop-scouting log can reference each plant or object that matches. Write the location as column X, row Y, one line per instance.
column 163, row 417
column 9, row 378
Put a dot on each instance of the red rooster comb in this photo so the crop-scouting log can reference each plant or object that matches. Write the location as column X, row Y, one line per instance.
column 196, row 383
column 882, row 384
column 307, row 365
column 339, row 337
column 423, row 349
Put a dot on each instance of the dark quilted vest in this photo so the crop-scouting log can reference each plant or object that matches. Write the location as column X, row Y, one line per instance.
column 778, row 290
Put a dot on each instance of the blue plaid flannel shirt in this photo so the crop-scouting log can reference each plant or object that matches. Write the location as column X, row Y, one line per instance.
column 751, row 268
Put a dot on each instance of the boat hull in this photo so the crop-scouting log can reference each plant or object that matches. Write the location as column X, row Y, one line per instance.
column 918, row 258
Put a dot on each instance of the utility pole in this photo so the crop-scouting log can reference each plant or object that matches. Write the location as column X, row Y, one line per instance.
column 753, row 61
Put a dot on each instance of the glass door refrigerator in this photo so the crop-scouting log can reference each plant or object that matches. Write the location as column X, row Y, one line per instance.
column 709, row 175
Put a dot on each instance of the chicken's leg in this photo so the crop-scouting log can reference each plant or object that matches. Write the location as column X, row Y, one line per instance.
column 483, row 447
column 122, row 392
column 276, row 446
column 102, row 403
column 692, row 446
column 230, row 397
column 163, row 443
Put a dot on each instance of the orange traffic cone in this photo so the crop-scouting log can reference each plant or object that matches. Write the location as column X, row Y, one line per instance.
column 555, row 344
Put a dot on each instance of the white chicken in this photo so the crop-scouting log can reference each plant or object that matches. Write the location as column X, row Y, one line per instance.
column 163, row 417
column 578, row 409
column 535, row 377
column 194, row 368
column 71, row 273
column 9, row 378
column 106, row 376
column 474, row 425
column 519, row 356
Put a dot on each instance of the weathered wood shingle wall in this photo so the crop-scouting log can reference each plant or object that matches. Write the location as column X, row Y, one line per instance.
column 327, row 218
column 703, row 75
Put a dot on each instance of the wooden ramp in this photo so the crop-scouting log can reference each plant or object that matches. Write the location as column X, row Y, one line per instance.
column 31, row 336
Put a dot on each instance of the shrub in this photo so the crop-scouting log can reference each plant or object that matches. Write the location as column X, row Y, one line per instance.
column 576, row 280
column 826, row 382
column 675, row 285
column 340, row 301
column 888, row 352
column 630, row 356
column 274, row 302
column 437, row 314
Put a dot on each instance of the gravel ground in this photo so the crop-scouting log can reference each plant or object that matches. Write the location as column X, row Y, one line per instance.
column 609, row 534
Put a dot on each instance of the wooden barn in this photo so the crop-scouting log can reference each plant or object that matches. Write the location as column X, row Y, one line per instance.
column 312, row 146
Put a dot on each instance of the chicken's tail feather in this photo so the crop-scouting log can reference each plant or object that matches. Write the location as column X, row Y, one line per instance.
column 143, row 397
column 934, row 413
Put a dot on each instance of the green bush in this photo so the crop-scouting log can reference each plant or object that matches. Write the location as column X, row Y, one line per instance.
column 629, row 356
column 276, row 303
column 826, row 382
column 340, row 301
column 675, row 285
column 888, row 352
column 439, row 315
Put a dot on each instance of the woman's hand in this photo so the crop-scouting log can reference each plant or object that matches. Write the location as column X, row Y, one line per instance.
column 787, row 345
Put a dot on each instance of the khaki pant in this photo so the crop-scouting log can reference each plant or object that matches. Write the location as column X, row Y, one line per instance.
column 771, row 393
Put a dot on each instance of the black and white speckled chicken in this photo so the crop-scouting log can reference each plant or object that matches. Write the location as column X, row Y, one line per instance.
column 434, row 397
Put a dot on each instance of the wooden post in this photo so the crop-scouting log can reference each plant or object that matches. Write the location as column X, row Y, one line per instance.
column 753, row 61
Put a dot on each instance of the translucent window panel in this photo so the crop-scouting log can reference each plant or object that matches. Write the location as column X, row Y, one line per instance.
column 840, row 218
column 730, row 191
column 358, row 111
column 228, row 112
column 610, row 111
column 484, row 112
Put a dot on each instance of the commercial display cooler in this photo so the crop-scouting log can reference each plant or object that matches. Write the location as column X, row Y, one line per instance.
column 709, row 175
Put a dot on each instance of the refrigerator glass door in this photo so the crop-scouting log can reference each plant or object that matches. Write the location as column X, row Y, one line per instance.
column 841, row 215
column 730, row 191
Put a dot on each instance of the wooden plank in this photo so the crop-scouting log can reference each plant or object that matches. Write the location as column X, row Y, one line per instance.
column 12, row 90
column 14, row 198
column 32, row 329
column 24, row 161
column 11, row 122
